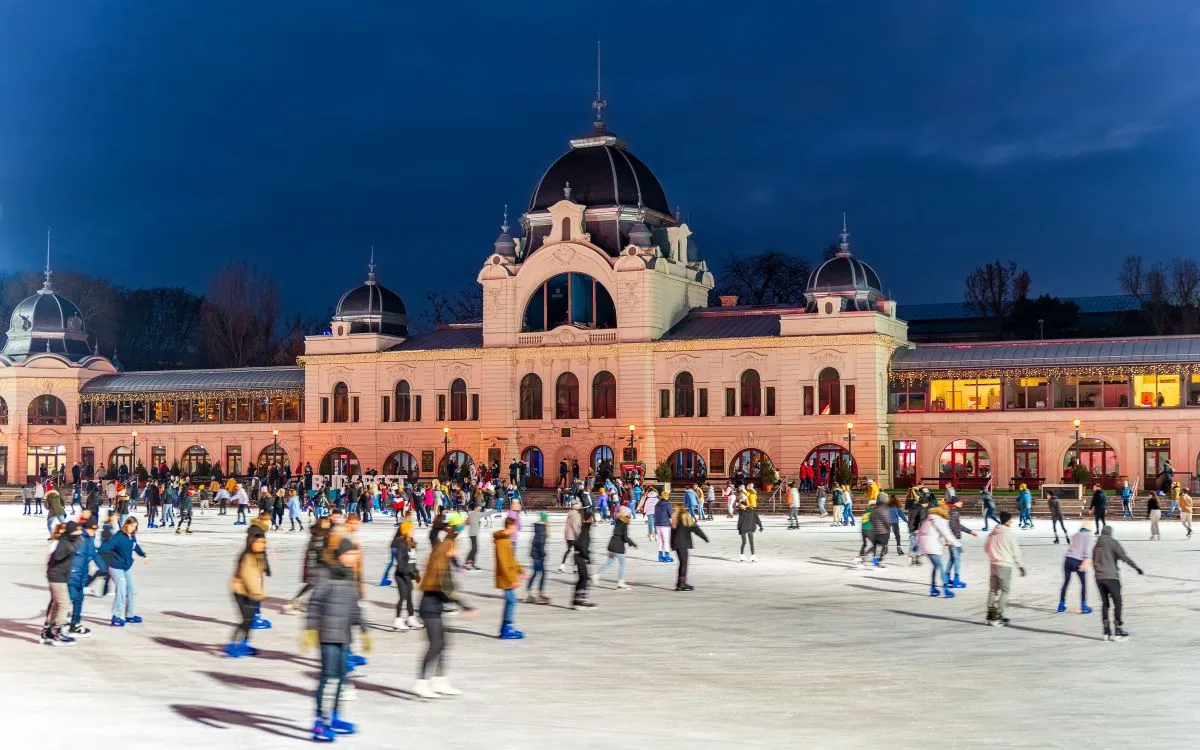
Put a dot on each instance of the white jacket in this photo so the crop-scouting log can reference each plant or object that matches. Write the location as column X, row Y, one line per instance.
column 934, row 535
column 1001, row 548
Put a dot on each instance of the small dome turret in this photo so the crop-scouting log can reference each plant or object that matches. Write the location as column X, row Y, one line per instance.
column 845, row 276
column 47, row 322
column 372, row 308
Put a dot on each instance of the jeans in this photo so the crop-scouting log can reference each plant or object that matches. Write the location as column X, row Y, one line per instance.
column 75, row 590
column 618, row 557
column 821, row 506
column 510, row 606
column 1098, row 516
column 939, row 571
column 1154, row 516
column 126, row 593
column 989, row 512
column 793, row 517
column 52, row 520
column 168, row 515
column 435, row 633
column 241, row 514
column 1071, row 565
column 333, row 669
column 847, row 514
column 391, row 562
column 1126, row 509
column 539, row 569
column 954, row 566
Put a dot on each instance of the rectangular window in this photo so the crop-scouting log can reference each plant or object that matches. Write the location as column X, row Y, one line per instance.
column 731, row 402
column 1193, row 395
column 474, row 407
column 324, row 408
column 441, row 407
column 664, row 403
column 417, row 410
column 850, row 399
column 354, row 409
column 233, row 459
column 243, row 410
column 1026, row 463
column 1092, row 392
column 703, row 405
column 809, row 400
column 291, row 408
column 139, row 412
column 770, row 401
column 905, row 396
column 1026, row 393
column 1151, row 391
column 904, row 463
column 185, row 411
column 158, row 455
column 385, row 409
column 262, row 407
column 979, row 394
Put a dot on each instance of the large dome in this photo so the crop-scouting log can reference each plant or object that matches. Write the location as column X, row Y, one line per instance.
column 46, row 322
column 373, row 308
column 844, row 273
column 600, row 171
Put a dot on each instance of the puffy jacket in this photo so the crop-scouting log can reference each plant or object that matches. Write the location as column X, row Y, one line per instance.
column 1099, row 500
column 748, row 521
column 333, row 609
column 248, row 578
column 54, row 503
column 122, row 546
column 1107, row 553
column 508, row 570
column 572, row 526
column 662, row 513
column 881, row 518
column 538, row 550
column 58, row 564
column 583, row 543
column 85, row 555
column 934, row 535
column 681, row 536
column 620, row 538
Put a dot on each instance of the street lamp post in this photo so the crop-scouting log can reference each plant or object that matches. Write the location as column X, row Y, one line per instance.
column 445, row 444
column 1076, row 423
column 133, row 464
column 850, row 449
column 632, row 431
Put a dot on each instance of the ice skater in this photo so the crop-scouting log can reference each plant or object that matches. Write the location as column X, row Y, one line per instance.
column 1106, row 555
column 682, row 529
column 1056, row 516
column 333, row 613
column 438, row 590
column 1003, row 554
column 1076, row 562
column 247, row 586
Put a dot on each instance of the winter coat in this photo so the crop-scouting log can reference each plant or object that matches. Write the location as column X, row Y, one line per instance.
column 572, row 526
column 54, row 503
column 583, row 543
column 85, row 555
column 58, row 564
column 1055, row 506
column 1001, row 547
column 620, row 538
column 935, row 535
column 248, row 578
column 881, row 519
column 538, row 550
column 681, row 536
column 1099, row 500
column 333, row 609
column 508, row 570
column 662, row 513
column 748, row 521
column 1106, row 554
column 122, row 546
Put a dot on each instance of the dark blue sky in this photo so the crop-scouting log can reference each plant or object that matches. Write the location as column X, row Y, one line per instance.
column 162, row 138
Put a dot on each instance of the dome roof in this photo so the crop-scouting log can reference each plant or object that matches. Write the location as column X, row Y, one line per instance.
column 844, row 273
column 46, row 322
column 373, row 308
column 600, row 171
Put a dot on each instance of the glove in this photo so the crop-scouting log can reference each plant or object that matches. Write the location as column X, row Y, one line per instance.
column 308, row 640
column 368, row 642
column 1022, row 572
column 1141, row 572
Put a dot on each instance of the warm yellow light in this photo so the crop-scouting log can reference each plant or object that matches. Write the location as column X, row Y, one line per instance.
column 1076, row 424
column 134, row 433
column 632, row 428
column 445, row 430
column 849, row 425
column 275, row 433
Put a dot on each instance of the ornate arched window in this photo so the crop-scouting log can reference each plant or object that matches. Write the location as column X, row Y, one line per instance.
column 3, row 411
column 458, row 400
column 47, row 409
column 566, row 397
column 530, row 397
column 751, row 394
column 604, row 396
column 685, row 395
column 341, row 403
column 569, row 299
column 829, row 390
column 403, row 401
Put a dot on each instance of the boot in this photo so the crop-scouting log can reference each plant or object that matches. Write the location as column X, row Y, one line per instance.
column 422, row 689
column 742, row 558
column 1062, row 607
column 621, row 585
column 341, row 727
column 667, row 557
column 46, row 638
column 1120, row 634
column 234, row 650
column 385, row 581
column 948, row 593
column 958, row 584
column 414, row 623
column 753, row 558
column 934, row 591
column 509, row 633
column 1084, row 609
column 530, row 598
column 399, row 624
column 179, row 530
column 321, row 731
column 189, row 529
column 442, row 686
column 543, row 599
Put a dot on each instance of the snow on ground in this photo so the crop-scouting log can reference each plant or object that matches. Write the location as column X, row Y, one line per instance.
column 796, row 650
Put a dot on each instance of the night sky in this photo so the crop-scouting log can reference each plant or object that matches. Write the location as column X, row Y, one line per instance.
column 162, row 138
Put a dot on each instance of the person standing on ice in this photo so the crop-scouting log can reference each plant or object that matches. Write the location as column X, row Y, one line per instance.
column 1003, row 555
column 1076, row 562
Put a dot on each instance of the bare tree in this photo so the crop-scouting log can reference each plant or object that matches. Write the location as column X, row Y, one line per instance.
column 239, row 316
column 769, row 278
column 1131, row 277
column 1185, row 291
column 463, row 306
column 291, row 344
column 160, row 328
column 991, row 290
column 1152, row 288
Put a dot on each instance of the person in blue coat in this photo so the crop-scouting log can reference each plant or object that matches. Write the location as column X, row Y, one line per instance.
column 662, row 528
column 123, row 545
column 85, row 555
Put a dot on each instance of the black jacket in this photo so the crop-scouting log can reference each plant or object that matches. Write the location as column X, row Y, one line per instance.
column 1099, row 500
column 333, row 610
column 748, row 521
column 681, row 536
column 538, row 551
column 881, row 519
column 58, row 566
column 620, row 538
column 583, row 542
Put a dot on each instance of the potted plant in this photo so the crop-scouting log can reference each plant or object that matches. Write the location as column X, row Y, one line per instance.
column 662, row 473
column 769, row 475
column 843, row 472
column 140, row 472
column 1081, row 474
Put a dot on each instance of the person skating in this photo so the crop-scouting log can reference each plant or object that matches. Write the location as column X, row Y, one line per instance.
column 64, row 542
column 662, row 529
column 683, row 527
column 748, row 521
column 333, row 613
column 793, row 506
column 583, row 557
column 243, row 505
column 880, row 519
column 616, row 548
column 954, row 566
column 1126, row 502
column 1106, row 555
column 293, row 506
column 404, row 551
column 508, row 578
column 537, row 553
column 313, row 563
column 247, row 586
column 438, row 590
column 1076, row 562
column 474, row 516
column 85, row 554
column 1003, row 555
column 1099, row 506
column 933, row 537
column 124, row 545
column 1185, row 513
column 918, row 511
column 989, row 505
column 55, row 511
column 1025, row 506
column 1153, row 514
column 1056, row 516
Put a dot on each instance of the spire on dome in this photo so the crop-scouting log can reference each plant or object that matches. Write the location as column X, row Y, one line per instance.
column 504, row 244
column 599, row 103
column 504, row 225
column 371, row 267
column 844, row 238
column 46, row 288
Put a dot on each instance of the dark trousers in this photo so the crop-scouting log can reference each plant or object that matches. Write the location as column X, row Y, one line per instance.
column 333, row 675
column 75, row 590
column 1098, row 516
column 896, row 531
column 435, row 634
column 246, row 608
column 241, row 514
column 748, row 535
column 1110, row 592
column 581, row 579
column 404, row 584
column 474, row 551
column 569, row 551
column 539, row 574
column 879, row 545
column 683, row 563
column 1055, row 523
column 1071, row 565
column 989, row 512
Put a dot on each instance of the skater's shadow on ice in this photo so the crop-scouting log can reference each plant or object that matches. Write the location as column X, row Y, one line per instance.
column 829, row 563
column 370, row 687
column 19, row 631
column 256, row 683
column 223, row 718
column 34, row 587
column 464, row 631
column 216, row 649
column 1010, row 626
column 198, row 618
column 886, row 591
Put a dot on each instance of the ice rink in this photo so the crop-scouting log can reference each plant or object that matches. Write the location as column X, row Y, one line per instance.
column 797, row 650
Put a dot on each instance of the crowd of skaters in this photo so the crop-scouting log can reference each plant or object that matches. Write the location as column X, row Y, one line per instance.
column 82, row 550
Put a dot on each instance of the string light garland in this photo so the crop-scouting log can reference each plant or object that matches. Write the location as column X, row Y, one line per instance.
column 1085, row 371
column 104, row 399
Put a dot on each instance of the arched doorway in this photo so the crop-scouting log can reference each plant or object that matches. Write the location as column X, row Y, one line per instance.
column 749, row 462
column 536, row 463
column 272, row 454
column 966, row 463
column 195, row 461
column 459, row 461
column 687, row 466
column 339, row 461
column 1098, row 457
column 832, row 462
column 601, row 455
column 402, row 462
